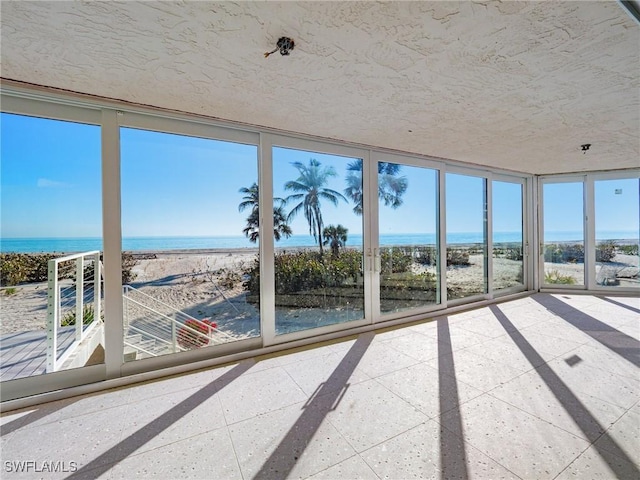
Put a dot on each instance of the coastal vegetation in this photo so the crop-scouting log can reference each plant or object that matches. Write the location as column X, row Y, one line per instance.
column 251, row 200
column 309, row 191
column 391, row 186
column 306, row 278
column 555, row 277
column 335, row 237
column 19, row 268
column 87, row 317
column 568, row 252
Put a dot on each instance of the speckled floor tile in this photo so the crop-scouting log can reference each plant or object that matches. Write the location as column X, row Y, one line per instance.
column 426, row 389
column 368, row 414
column 616, row 389
column 352, row 468
column 599, row 465
column 623, row 436
column 522, row 443
column 315, row 373
column 293, row 442
column 260, row 392
column 427, row 451
column 474, row 370
column 381, row 358
column 544, row 395
column 205, row 456
column 458, row 395
column 416, row 345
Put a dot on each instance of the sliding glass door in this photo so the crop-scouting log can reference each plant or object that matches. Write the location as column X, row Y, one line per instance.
column 190, row 243
column 408, row 259
column 617, row 232
column 318, row 251
column 467, row 262
column 51, row 310
column 562, row 246
column 591, row 231
column 507, row 235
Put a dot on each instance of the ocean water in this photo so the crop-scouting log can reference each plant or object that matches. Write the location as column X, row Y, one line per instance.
column 68, row 245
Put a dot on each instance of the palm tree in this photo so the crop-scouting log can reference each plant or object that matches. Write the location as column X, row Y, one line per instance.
column 390, row 186
column 251, row 199
column 310, row 190
column 335, row 237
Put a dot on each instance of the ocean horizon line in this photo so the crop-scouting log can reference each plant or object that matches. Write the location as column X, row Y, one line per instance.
column 159, row 243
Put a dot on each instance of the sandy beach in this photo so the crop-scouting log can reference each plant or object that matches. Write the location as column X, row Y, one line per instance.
column 208, row 284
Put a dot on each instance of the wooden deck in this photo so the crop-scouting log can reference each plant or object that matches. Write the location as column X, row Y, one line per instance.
column 24, row 354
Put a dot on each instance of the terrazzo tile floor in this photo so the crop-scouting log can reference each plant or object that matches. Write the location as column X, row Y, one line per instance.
column 544, row 387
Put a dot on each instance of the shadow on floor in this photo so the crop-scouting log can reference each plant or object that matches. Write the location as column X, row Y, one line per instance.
column 453, row 456
column 126, row 447
column 621, row 343
column 325, row 398
column 620, row 304
column 38, row 412
column 569, row 401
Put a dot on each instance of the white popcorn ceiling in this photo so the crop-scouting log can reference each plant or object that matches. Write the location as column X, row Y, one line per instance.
column 517, row 85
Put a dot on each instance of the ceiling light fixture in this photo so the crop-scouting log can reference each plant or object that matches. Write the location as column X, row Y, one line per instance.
column 285, row 45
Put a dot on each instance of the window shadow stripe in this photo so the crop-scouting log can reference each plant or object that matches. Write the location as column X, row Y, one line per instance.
column 569, row 401
column 36, row 414
column 620, row 304
column 451, row 431
column 282, row 460
column 126, row 447
column 615, row 340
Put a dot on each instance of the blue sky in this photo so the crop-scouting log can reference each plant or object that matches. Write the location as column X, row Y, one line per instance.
column 616, row 206
column 181, row 186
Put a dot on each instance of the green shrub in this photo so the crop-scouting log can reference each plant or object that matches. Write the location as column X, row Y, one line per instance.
column 128, row 262
column 10, row 291
column 606, row 250
column 556, row 277
column 228, row 277
column 70, row 318
column 395, row 259
column 307, row 270
column 629, row 249
column 17, row 268
column 564, row 253
column 514, row 253
column 426, row 255
column 457, row 257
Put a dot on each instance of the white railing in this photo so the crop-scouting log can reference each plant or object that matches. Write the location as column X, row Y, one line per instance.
column 171, row 330
column 67, row 299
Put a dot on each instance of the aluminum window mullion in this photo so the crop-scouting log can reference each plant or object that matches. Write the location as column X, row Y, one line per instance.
column 191, row 128
column 267, row 245
column 590, row 234
column 371, row 228
column 49, row 109
column 442, row 235
column 488, row 232
column 112, row 244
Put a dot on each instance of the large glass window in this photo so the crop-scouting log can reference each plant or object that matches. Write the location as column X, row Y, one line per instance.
column 190, row 242
column 51, row 205
column 563, row 233
column 507, row 235
column 617, row 232
column 318, row 261
column 466, row 236
column 408, row 226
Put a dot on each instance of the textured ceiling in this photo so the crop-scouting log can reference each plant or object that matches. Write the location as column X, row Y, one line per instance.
column 516, row 85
